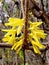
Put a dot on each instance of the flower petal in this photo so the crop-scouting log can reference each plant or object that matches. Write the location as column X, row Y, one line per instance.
column 36, row 49
column 19, row 30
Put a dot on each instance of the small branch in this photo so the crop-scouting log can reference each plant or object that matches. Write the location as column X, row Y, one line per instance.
column 48, row 6
column 41, row 4
column 5, row 45
column 22, row 7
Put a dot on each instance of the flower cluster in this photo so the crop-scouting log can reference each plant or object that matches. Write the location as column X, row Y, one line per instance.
column 15, row 34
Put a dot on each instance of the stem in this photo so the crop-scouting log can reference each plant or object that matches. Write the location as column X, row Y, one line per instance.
column 26, row 21
column 26, row 27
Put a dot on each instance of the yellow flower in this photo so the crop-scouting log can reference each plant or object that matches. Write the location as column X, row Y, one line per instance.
column 34, row 24
column 18, row 45
column 9, row 32
column 5, row 39
column 16, row 23
column 34, row 35
column 36, row 49
column 11, row 36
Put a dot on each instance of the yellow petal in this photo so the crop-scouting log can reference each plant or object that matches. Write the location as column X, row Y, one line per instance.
column 11, row 40
column 33, row 36
column 36, row 49
column 7, row 34
column 19, row 30
column 41, row 46
column 17, row 51
column 5, row 39
column 19, row 44
column 5, row 30
column 10, row 32
column 35, row 24
column 15, row 22
column 14, row 46
column 41, row 34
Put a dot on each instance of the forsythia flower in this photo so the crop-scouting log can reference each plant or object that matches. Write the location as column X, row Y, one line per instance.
column 12, row 34
column 34, row 35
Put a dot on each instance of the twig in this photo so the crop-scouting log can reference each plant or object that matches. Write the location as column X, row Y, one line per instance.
column 48, row 6
column 41, row 4
column 26, row 21
column 22, row 7
column 5, row 45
